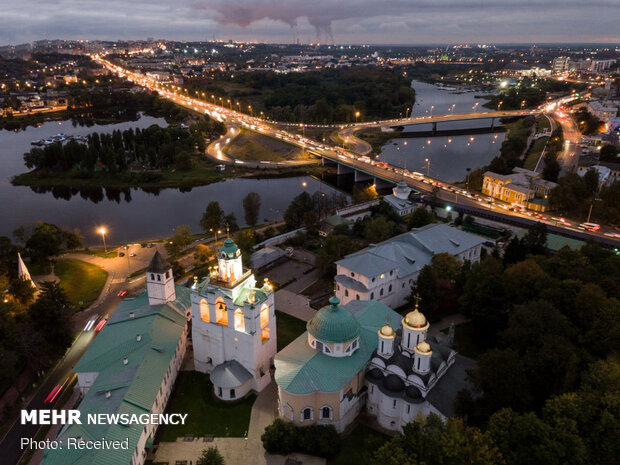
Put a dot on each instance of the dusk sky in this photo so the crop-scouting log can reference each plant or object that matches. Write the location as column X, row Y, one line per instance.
column 346, row 21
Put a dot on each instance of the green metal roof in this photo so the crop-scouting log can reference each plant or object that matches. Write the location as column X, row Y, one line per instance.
column 334, row 323
column 300, row 369
column 133, row 386
column 229, row 248
column 556, row 242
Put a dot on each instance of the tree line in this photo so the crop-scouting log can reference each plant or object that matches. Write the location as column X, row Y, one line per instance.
column 326, row 96
column 153, row 148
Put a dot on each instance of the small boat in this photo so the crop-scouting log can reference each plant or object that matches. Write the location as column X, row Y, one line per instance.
column 37, row 142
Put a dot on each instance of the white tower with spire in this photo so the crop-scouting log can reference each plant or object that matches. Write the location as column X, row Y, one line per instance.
column 159, row 281
column 22, row 271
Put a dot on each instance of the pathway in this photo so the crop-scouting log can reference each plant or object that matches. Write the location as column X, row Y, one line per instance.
column 236, row 450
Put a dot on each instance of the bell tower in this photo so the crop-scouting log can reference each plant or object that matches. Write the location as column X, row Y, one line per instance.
column 159, row 281
column 230, row 265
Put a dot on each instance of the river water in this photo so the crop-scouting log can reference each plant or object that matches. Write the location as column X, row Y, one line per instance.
column 449, row 157
column 128, row 214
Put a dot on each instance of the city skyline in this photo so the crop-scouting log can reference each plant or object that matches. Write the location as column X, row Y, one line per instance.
column 350, row 21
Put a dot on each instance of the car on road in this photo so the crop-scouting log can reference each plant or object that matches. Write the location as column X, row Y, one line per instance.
column 121, row 254
column 122, row 293
column 132, row 254
column 592, row 227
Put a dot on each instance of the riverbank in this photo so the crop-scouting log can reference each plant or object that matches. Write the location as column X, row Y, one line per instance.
column 202, row 174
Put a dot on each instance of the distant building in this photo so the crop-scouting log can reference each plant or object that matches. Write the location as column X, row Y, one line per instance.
column 130, row 367
column 267, row 257
column 385, row 272
column 561, row 64
column 522, row 187
column 350, row 357
column 233, row 327
column 603, row 112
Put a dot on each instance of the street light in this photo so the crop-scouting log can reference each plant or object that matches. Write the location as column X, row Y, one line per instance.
column 428, row 167
column 357, row 115
column 102, row 231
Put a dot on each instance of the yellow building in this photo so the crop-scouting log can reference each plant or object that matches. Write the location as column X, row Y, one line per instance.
column 522, row 187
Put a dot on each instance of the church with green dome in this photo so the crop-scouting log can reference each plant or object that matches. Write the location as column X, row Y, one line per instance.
column 362, row 355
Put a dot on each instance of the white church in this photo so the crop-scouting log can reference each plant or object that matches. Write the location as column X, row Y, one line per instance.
column 233, row 326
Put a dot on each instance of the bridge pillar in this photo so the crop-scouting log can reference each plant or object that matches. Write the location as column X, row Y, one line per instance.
column 492, row 122
column 382, row 183
column 434, row 130
column 342, row 169
column 360, row 176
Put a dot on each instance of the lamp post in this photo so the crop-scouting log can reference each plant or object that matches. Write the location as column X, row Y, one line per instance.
column 102, row 231
column 428, row 166
column 357, row 115
column 432, row 106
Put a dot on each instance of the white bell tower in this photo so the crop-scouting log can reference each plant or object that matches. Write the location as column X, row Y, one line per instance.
column 230, row 265
column 159, row 281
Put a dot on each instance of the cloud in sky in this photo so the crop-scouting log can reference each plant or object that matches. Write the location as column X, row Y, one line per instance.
column 341, row 21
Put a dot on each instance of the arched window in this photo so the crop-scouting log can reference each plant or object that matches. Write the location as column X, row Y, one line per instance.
column 327, row 350
column 264, row 316
column 326, row 412
column 306, row 414
column 264, row 335
column 204, row 311
column 357, row 297
column 346, row 293
column 239, row 320
column 318, row 345
column 390, row 288
column 381, row 292
column 372, row 295
column 167, row 274
column 221, row 313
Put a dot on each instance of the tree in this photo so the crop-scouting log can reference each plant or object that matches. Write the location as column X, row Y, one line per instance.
column 202, row 254
column 426, row 287
column 420, row 217
column 181, row 238
column 527, row 440
column 251, row 207
column 430, row 441
column 535, row 240
column 280, row 437
column 552, row 168
column 609, row 153
column 213, row 217
column 49, row 315
column 231, row 222
column 210, row 456
column 299, row 206
column 446, row 266
column 183, row 161
column 22, row 290
column 378, row 230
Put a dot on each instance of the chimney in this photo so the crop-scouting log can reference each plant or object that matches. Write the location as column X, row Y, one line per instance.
column 138, row 337
column 125, row 361
column 132, row 315
column 108, row 394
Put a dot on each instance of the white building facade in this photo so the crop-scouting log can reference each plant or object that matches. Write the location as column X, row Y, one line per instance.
column 386, row 272
column 233, row 327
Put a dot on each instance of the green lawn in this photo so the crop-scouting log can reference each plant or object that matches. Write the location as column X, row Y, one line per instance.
column 82, row 281
column 358, row 445
column 534, row 153
column 207, row 415
column 465, row 341
column 111, row 253
column 288, row 328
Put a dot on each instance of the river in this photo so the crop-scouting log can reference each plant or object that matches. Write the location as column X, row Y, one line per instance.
column 449, row 157
column 128, row 214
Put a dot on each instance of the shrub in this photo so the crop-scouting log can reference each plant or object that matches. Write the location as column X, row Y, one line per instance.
column 280, row 437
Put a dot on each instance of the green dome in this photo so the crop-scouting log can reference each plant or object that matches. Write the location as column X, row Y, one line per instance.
column 334, row 323
column 229, row 249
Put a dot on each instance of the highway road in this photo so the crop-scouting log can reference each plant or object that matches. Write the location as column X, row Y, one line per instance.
column 345, row 157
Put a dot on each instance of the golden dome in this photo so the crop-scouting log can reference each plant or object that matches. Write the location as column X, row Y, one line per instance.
column 415, row 319
column 387, row 331
column 423, row 348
